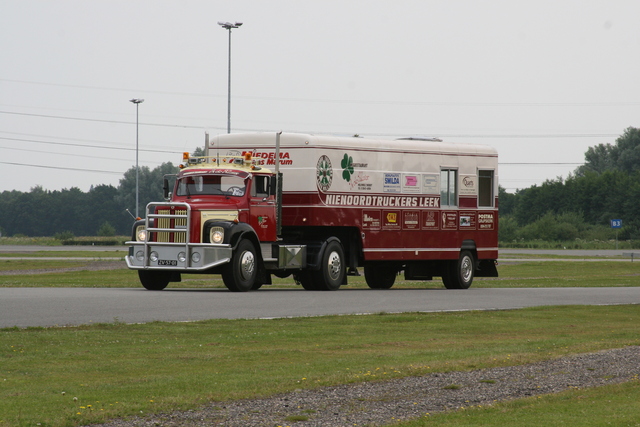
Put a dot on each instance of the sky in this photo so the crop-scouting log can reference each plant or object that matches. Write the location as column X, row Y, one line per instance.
column 539, row 80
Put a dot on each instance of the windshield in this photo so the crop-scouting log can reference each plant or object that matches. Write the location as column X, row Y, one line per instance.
column 211, row 185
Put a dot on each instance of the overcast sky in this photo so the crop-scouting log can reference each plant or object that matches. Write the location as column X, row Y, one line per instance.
column 540, row 80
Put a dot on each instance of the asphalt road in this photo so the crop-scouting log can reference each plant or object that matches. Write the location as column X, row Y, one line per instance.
column 25, row 307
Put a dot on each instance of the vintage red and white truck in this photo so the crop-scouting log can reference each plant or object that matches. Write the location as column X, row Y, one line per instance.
column 320, row 208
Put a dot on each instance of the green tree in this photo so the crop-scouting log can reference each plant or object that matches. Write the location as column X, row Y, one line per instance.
column 149, row 187
column 106, row 230
column 624, row 155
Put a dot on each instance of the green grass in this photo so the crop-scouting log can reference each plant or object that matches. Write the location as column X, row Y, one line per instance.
column 611, row 405
column 512, row 275
column 564, row 274
column 118, row 370
column 118, row 254
column 52, row 241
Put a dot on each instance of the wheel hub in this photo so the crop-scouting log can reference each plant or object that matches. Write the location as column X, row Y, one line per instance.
column 247, row 265
column 335, row 266
column 466, row 269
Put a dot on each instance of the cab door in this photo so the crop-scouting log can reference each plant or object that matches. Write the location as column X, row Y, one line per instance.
column 262, row 208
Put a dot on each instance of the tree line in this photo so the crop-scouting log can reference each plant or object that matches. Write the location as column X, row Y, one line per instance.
column 71, row 212
column 606, row 187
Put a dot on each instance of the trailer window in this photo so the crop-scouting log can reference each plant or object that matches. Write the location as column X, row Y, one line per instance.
column 485, row 189
column 449, row 187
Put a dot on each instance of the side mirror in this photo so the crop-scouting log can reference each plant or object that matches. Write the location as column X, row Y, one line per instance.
column 165, row 189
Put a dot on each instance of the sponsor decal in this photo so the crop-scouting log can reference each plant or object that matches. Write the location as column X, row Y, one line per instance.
column 468, row 185
column 359, row 182
column 324, row 173
column 391, row 183
column 430, row 184
column 381, row 201
column 262, row 221
column 449, row 220
column 391, row 220
column 410, row 183
column 468, row 220
column 371, row 220
column 347, row 167
column 410, row 220
column 485, row 221
column 430, row 220
column 265, row 158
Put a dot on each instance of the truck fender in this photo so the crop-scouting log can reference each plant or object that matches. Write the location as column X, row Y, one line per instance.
column 242, row 231
column 314, row 257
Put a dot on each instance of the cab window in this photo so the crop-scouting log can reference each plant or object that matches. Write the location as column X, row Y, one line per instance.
column 260, row 187
column 211, row 185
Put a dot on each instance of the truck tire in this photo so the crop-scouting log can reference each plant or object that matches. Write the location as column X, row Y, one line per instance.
column 459, row 274
column 154, row 280
column 305, row 278
column 379, row 276
column 332, row 268
column 240, row 274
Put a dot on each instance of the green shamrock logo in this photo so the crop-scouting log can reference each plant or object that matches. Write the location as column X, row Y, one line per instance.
column 346, row 163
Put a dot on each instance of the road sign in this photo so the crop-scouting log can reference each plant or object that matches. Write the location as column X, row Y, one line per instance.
column 616, row 223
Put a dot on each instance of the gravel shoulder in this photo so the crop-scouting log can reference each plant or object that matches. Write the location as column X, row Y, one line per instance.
column 384, row 402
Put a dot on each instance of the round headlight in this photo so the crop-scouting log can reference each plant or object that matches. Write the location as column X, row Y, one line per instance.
column 195, row 257
column 140, row 256
column 141, row 235
column 182, row 257
column 153, row 256
column 216, row 236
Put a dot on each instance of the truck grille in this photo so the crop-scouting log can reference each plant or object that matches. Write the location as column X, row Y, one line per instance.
column 174, row 223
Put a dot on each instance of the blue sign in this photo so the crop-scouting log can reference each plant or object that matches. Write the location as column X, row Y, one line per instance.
column 616, row 223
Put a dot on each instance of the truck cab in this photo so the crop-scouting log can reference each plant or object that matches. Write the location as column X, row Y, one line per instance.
column 220, row 217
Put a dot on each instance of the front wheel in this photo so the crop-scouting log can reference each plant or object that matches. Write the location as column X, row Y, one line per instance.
column 154, row 280
column 240, row 274
column 459, row 274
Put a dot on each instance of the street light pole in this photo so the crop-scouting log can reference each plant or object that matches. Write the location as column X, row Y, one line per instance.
column 137, row 101
column 229, row 26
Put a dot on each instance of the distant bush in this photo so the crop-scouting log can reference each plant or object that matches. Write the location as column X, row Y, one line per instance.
column 106, row 230
column 64, row 236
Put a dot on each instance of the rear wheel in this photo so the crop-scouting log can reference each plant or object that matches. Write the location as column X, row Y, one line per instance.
column 240, row 274
column 459, row 274
column 332, row 268
column 379, row 276
column 154, row 280
column 305, row 278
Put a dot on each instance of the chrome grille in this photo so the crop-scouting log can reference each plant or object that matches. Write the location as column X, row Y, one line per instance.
column 178, row 236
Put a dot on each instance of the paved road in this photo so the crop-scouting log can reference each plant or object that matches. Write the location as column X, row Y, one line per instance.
column 24, row 307
column 74, row 306
column 568, row 252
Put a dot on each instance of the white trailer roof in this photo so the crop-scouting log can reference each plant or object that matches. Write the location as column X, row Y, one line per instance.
column 268, row 139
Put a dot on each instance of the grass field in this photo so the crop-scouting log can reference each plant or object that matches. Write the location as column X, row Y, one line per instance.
column 117, row 370
column 513, row 273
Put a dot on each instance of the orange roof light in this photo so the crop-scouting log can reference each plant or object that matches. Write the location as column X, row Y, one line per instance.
column 185, row 156
column 247, row 156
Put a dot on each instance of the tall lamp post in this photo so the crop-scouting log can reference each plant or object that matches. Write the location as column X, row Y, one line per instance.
column 229, row 26
column 137, row 101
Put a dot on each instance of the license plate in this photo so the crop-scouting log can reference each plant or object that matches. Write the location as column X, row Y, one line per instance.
column 171, row 262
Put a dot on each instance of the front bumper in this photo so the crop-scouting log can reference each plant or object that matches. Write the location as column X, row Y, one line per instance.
column 179, row 257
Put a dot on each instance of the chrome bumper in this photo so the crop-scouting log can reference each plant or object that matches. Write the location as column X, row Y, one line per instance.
column 176, row 256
